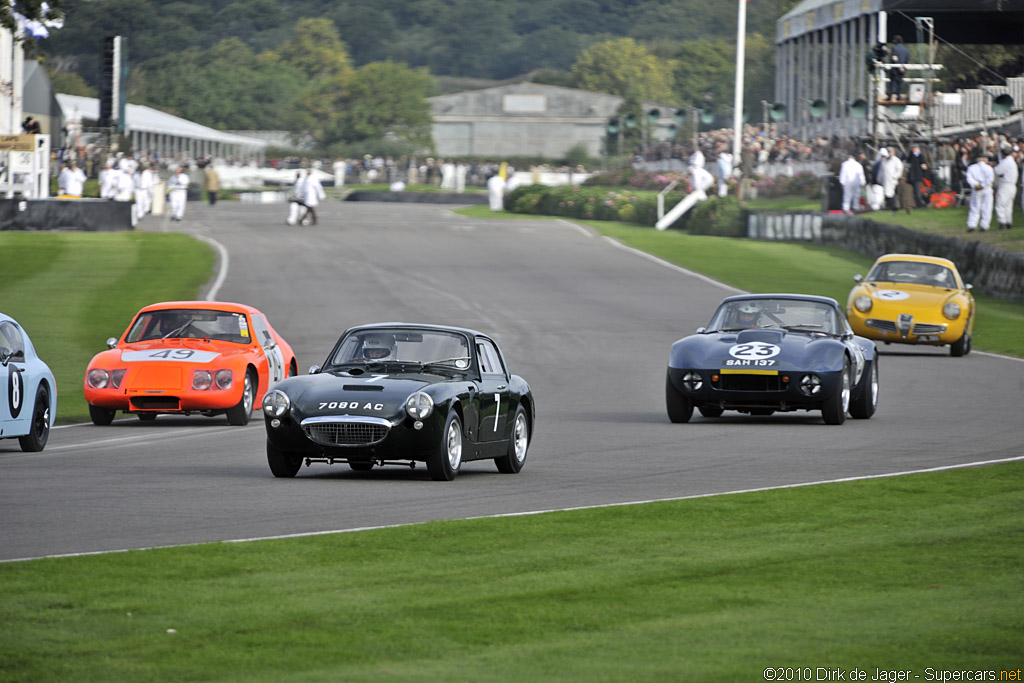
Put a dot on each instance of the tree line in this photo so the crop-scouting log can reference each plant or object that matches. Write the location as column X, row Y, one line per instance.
column 345, row 71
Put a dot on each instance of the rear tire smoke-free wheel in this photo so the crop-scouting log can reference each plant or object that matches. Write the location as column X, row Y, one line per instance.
column 239, row 415
column 518, row 443
column 833, row 411
column 39, row 429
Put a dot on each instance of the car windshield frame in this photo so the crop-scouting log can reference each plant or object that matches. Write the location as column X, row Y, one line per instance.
column 190, row 323
column 440, row 350
column 792, row 315
column 914, row 273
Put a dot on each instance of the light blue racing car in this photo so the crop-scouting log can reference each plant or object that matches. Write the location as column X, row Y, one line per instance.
column 28, row 405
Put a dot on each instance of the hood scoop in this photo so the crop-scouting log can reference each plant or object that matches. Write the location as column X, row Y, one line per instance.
column 363, row 387
column 758, row 335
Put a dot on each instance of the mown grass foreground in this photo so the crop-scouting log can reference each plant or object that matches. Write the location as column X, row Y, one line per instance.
column 73, row 290
column 904, row 573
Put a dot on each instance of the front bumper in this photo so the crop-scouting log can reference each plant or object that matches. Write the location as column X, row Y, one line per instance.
column 909, row 329
column 738, row 389
column 355, row 438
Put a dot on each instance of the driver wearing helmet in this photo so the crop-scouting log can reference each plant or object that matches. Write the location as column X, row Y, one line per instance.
column 378, row 346
column 748, row 314
column 169, row 323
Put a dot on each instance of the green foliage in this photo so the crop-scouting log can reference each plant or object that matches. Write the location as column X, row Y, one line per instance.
column 623, row 67
column 315, row 49
column 804, row 184
column 70, row 84
column 379, row 99
column 30, row 9
column 718, row 216
column 588, row 203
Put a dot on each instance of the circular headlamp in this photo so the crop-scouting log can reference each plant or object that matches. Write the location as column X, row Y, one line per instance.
column 863, row 303
column 951, row 310
column 98, row 379
column 810, row 384
column 692, row 381
column 419, row 406
column 276, row 403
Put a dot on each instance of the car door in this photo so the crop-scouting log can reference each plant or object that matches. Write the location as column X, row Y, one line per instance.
column 275, row 359
column 13, row 416
column 494, row 396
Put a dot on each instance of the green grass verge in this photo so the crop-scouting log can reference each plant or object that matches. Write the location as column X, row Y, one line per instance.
column 758, row 266
column 73, row 290
column 904, row 573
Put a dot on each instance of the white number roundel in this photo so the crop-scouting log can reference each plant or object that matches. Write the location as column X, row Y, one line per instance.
column 891, row 295
column 754, row 350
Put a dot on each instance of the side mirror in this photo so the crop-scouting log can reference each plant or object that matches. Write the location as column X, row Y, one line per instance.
column 5, row 355
column 857, row 278
column 968, row 286
column 112, row 343
column 701, row 330
column 314, row 369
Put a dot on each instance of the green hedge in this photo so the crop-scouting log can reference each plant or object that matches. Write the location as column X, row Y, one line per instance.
column 591, row 203
column 720, row 216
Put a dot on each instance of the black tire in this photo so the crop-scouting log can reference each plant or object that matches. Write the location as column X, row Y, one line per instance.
column 446, row 460
column 680, row 408
column 146, row 417
column 864, row 405
column 961, row 347
column 282, row 464
column 833, row 410
column 239, row 415
column 711, row 411
column 361, row 466
column 39, row 429
column 518, row 444
column 101, row 416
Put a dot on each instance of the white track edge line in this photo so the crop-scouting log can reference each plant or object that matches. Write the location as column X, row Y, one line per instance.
column 528, row 513
column 224, row 262
column 672, row 266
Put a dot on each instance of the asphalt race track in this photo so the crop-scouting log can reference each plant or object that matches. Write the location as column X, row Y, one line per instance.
column 587, row 322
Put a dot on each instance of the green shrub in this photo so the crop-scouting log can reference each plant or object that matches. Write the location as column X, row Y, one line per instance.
column 721, row 217
column 591, row 203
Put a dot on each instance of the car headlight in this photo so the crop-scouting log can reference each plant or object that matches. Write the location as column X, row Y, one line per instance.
column 951, row 310
column 810, row 384
column 863, row 303
column 692, row 381
column 223, row 379
column 98, row 379
column 276, row 403
column 419, row 406
column 202, row 380
column 117, row 376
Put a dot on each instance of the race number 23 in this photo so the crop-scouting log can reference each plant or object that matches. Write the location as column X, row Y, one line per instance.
column 754, row 350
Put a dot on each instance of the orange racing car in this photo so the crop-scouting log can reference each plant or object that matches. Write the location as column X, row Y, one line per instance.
column 185, row 357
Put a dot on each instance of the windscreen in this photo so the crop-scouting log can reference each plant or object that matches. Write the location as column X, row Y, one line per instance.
column 185, row 323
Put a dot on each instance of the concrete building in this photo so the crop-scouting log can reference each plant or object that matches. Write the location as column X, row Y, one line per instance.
column 527, row 119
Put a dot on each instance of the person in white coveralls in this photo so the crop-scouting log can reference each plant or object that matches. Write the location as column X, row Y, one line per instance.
column 980, row 178
column 851, row 177
column 1006, row 173
column 177, row 192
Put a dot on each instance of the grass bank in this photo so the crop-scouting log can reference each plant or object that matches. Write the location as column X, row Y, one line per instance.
column 71, row 291
column 928, row 574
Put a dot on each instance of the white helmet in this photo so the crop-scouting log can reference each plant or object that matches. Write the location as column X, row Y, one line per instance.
column 378, row 345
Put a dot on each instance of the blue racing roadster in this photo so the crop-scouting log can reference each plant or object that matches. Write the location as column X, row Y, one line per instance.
column 28, row 405
column 763, row 353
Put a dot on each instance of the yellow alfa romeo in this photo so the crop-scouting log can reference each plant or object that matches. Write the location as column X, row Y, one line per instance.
column 912, row 299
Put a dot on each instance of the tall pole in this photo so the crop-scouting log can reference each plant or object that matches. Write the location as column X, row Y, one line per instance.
column 737, row 106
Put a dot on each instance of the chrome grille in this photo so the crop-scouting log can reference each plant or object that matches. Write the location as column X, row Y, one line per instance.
column 925, row 328
column 351, row 432
column 881, row 325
